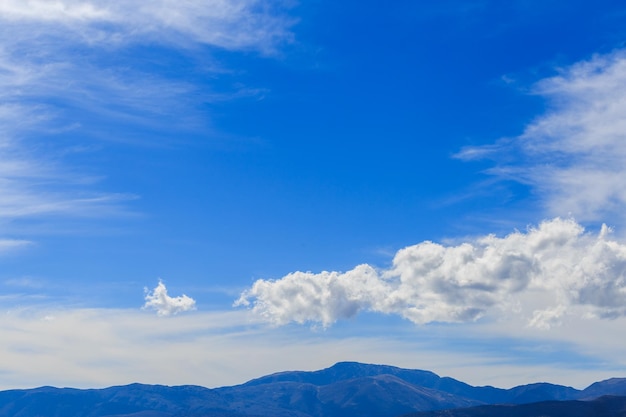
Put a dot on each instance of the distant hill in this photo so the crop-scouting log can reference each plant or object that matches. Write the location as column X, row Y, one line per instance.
column 606, row 406
column 344, row 389
column 613, row 386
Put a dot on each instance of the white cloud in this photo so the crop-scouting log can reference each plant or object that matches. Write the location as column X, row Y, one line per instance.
column 165, row 305
column 47, row 10
column 552, row 270
column 306, row 297
column 230, row 24
column 573, row 155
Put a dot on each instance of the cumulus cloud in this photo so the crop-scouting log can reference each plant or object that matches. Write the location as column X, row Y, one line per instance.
column 164, row 305
column 573, row 155
column 546, row 272
column 308, row 297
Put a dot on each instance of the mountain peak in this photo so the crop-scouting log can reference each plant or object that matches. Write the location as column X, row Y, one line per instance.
column 342, row 371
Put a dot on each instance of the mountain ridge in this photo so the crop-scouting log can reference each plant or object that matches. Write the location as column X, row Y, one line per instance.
column 346, row 388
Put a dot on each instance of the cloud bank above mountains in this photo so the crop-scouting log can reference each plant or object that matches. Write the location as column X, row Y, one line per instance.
column 543, row 273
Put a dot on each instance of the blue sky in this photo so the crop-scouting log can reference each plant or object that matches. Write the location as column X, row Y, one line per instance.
column 202, row 192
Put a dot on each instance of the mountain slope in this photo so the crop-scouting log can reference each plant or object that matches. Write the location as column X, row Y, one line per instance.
column 613, row 386
column 377, row 395
column 342, row 371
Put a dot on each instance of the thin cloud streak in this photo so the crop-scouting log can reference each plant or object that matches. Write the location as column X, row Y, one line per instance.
column 8, row 245
column 551, row 271
column 229, row 24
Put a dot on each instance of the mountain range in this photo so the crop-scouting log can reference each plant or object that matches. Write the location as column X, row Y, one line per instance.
column 344, row 389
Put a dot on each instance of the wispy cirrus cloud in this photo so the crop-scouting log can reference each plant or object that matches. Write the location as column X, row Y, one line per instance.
column 66, row 71
column 229, row 24
column 572, row 156
column 544, row 274
column 70, row 58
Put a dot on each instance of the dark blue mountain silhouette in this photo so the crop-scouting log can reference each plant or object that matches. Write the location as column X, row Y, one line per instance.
column 606, row 406
column 344, row 389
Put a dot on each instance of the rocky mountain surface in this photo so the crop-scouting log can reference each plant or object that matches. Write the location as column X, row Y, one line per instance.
column 345, row 389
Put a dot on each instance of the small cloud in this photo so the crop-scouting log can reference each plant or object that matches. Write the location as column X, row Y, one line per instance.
column 158, row 300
